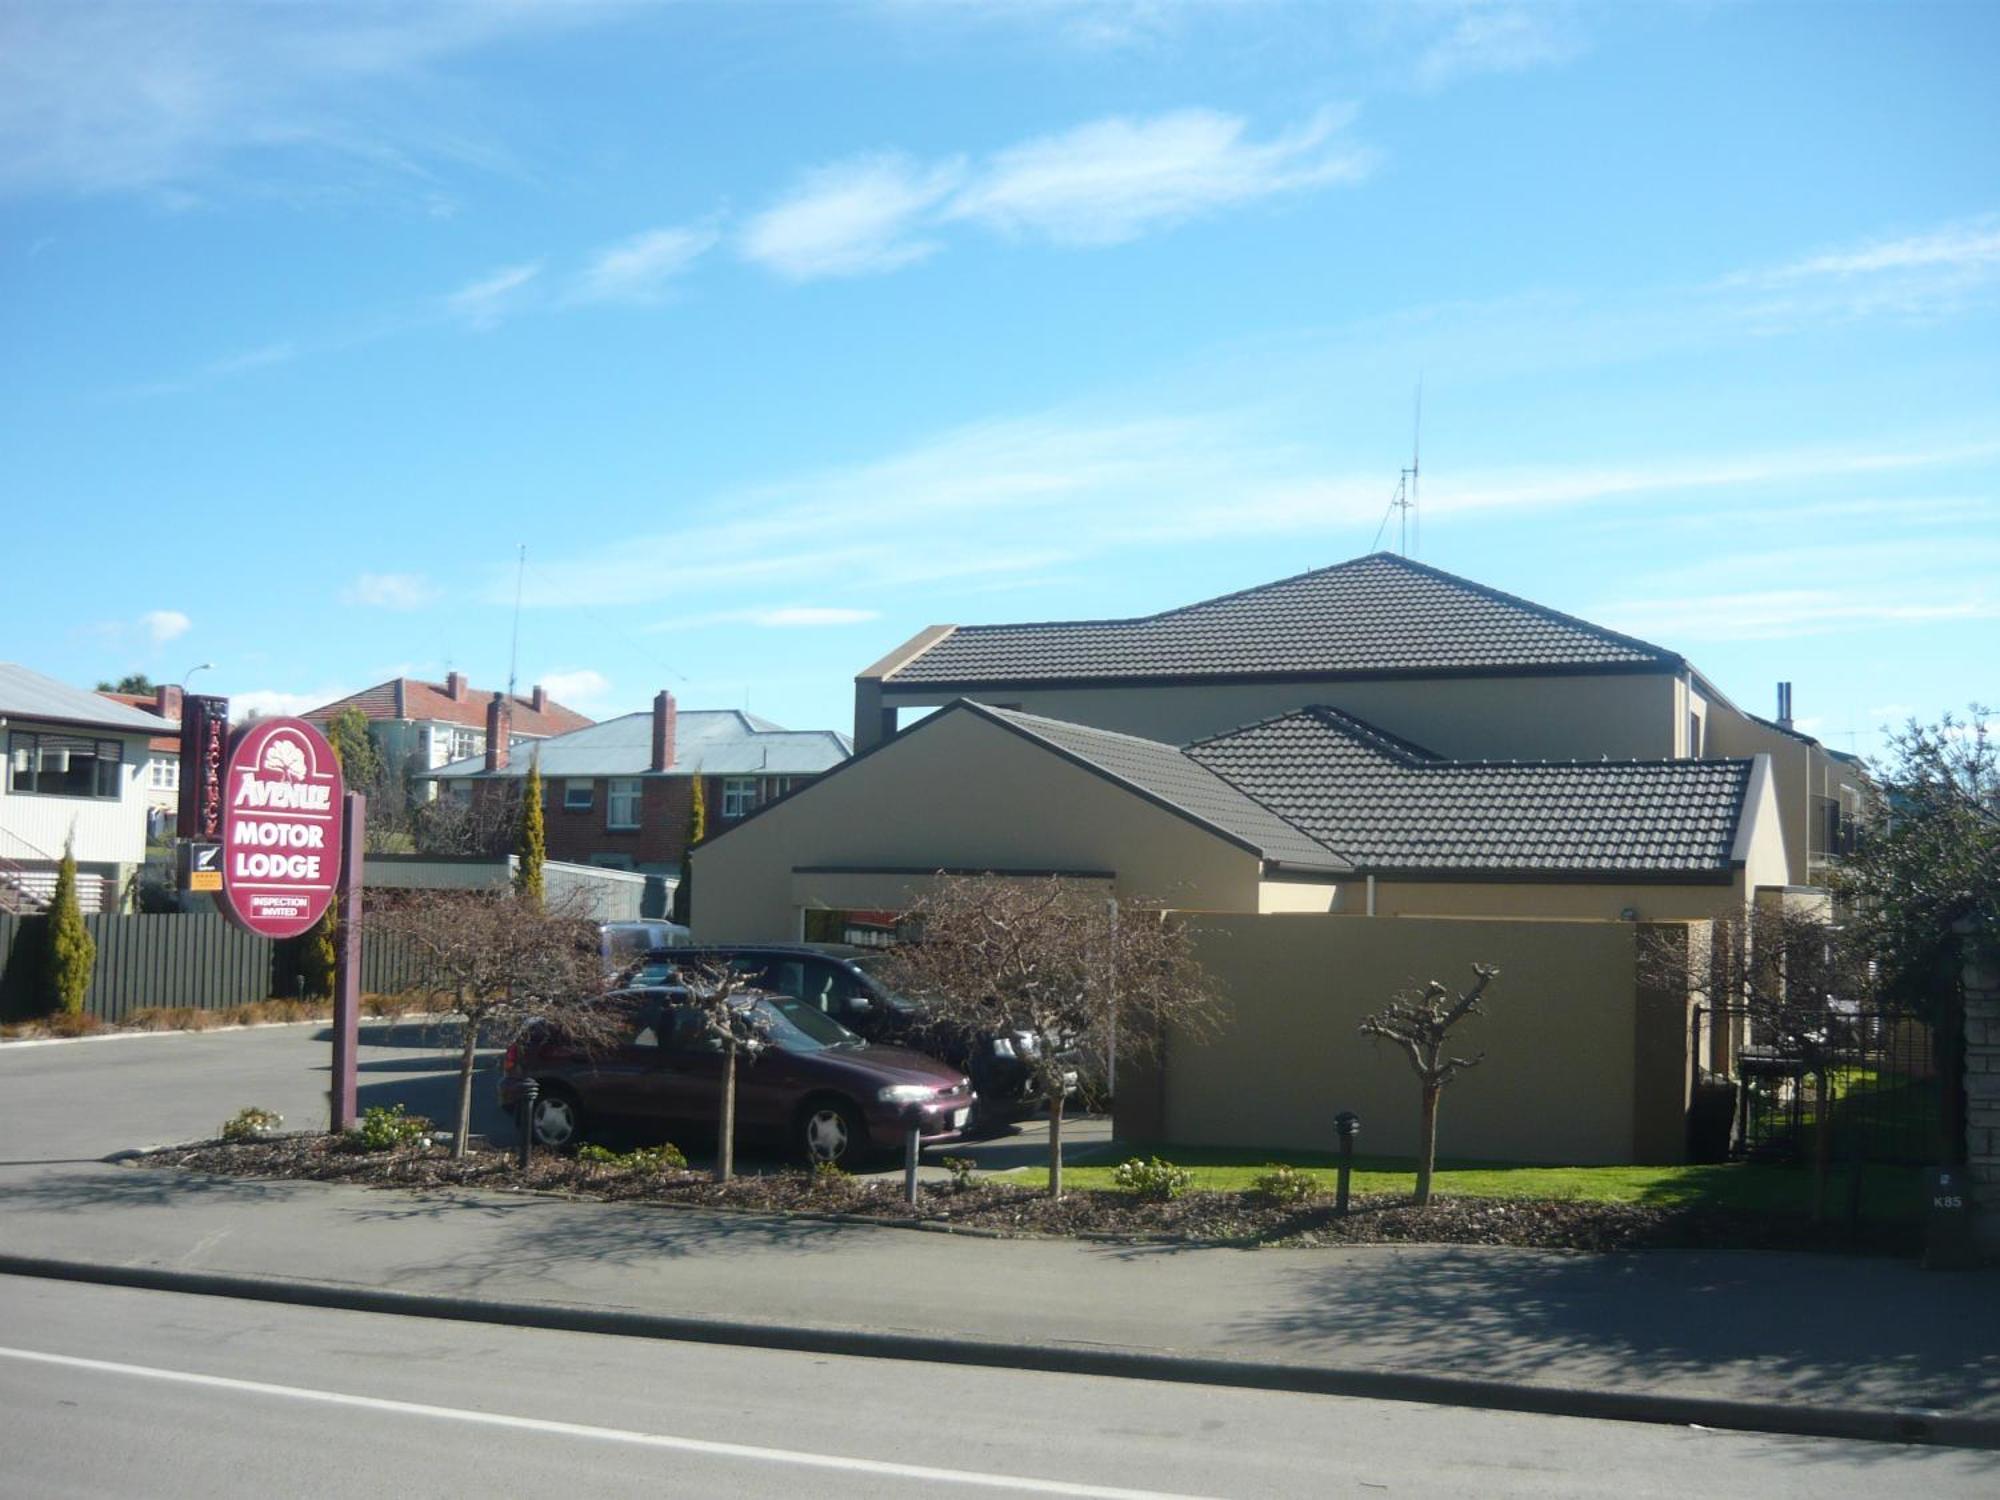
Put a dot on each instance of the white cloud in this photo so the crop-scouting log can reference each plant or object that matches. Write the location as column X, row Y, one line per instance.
column 1772, row 614
column 483, row 303
column 310, row 100
column 1101, row 183
column 794, row 617
column 265, row 703
column 1491, row 37
column 399, row 591
column 581, row 689
column 850, row 218
column 1973, row 246
column 164, row 625
column 1113, row 180
column 638, row 269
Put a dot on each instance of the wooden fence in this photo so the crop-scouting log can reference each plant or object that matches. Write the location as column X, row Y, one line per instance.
column 193, row 959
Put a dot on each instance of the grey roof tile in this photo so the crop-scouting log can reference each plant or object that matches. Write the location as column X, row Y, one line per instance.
column 27, row 694
column 1376, row 614
column 713, row 742
column 1388, row 805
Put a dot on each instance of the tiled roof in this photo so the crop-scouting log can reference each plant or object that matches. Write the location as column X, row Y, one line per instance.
column 27, row 694
column 159, row 744
column 431, row 702
column 711, row 742
column 1377, row 614
column 1391, row 806
column 1165, row 774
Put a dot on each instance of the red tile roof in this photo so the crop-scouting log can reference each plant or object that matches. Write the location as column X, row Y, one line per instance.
column 425, row 702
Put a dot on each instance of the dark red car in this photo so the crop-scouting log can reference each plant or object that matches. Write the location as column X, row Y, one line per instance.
column 817, row 1089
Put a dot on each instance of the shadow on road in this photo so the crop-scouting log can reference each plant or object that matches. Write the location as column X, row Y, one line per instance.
column 1824, row 1328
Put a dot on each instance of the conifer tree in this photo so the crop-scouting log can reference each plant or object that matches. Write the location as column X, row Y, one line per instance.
column 72, row 950
column 533, row 848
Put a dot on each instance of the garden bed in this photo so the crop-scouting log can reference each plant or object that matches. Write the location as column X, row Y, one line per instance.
column 994, row 1206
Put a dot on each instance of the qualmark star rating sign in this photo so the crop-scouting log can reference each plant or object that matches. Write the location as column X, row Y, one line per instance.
column 281, row 828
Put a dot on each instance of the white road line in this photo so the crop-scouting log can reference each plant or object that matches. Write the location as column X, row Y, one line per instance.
column 606, row 1434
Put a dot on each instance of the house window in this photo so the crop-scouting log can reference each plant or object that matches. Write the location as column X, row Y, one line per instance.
column 579, row 796
column 61, row 765
column 775, row 787
column 739, row 795
column 466, row 743
column 1694, row 736
column 621, row 803
column 164, row 775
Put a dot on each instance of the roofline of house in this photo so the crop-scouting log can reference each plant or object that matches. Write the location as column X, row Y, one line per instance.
column 892, row 686
column 12, row 718
column 1751, row 795
column 1011, row 870
column 1553, row 874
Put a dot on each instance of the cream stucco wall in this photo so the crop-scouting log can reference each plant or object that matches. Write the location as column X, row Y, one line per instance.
column 960, row 792
column 1623, row 715
column 1303, row 895
column 1579, row 1067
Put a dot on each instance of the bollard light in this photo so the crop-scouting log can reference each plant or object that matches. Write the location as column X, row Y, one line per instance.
column 912, row 1144
column 530, row 1092
column 1347, row 1125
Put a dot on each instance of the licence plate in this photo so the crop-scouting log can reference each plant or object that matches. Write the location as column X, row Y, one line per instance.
column 959, row 1117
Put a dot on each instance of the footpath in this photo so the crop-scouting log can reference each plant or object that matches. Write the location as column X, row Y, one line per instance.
column 1788, row 1343
column 1792, row 1343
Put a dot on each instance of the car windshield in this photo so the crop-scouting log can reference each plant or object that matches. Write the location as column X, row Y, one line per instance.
column 867, row 966
column 798, row 1027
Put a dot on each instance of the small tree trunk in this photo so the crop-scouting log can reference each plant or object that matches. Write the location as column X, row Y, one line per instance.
column 1427, row 1143
column 1055, row 1142
column 725, row 1148
column 467, row 1062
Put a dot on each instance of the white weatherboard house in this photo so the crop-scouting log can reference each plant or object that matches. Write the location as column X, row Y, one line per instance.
column 76, row 768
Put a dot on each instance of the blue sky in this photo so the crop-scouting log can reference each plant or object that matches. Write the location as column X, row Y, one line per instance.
column 777, row 332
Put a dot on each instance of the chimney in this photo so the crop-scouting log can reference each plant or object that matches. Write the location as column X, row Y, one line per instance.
column 167, row 701
column 1784, row 705
column 664, row 718
column 539, row 701
column 454, row 687
column 499, row 724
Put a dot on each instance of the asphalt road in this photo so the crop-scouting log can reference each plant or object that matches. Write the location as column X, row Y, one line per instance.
column 119, row 1393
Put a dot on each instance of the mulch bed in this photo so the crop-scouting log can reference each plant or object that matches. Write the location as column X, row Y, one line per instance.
column 996, row 1207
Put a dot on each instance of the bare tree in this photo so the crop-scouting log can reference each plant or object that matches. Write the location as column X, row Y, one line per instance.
column 1421, row 1025
column 1051, row 960
column 715, row 993
column 486, row 822
column 494, row 962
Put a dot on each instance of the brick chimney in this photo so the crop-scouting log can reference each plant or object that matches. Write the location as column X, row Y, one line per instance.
column 167, row 701
column 499, row 725
column 539, row 700
column 664, row 718
column 454, row 687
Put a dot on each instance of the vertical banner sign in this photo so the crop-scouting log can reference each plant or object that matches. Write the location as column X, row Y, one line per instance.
column 281, row 830
column 204, row 751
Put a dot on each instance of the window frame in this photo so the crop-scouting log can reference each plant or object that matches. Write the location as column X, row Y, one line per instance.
column 742, row 792
column 114, row 763
column 572, row 785
column 633, row 794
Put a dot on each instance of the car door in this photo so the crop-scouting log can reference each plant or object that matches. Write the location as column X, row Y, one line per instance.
column 617, row 1079
column 687, row 1083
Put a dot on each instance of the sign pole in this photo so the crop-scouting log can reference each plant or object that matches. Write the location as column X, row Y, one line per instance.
column 347, row 964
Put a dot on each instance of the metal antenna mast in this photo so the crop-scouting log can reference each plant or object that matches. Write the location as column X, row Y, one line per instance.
column 514, row 648
column 1404, row 501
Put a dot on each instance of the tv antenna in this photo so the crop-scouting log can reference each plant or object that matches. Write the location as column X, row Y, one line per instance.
column 514, row 648
column 1403, row 504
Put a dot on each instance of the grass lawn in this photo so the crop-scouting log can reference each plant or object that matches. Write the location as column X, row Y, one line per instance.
column 1888, row 1193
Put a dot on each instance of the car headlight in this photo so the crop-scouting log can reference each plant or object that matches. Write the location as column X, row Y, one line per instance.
column 906, row 1093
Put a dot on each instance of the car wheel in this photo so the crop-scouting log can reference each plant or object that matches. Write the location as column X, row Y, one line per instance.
column 558, row 1120
column 830, row 1130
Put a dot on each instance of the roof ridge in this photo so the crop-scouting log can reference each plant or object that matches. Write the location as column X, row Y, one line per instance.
column 1092, row 729
column 1544, row 610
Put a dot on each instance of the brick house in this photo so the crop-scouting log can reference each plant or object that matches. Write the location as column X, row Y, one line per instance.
column 618, row 793
column 422, row 726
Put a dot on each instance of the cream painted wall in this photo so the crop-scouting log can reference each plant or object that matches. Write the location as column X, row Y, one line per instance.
column 1303, row 895
column 1799, row 768
column 1625, row 716
column 960, row 792
column 1580, row 901
column 1560, row 1081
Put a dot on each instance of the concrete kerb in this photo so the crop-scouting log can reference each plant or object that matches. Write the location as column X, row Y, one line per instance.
column 1862, row 1423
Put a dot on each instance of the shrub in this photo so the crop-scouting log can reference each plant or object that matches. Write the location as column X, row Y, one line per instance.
column 1283, row 1184
column 640, row 1160
column 960, row 1168
column 828, row 1175
column 1152, row 1179
column 72, row 950
column 385, row 1127
column 251, row 1123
